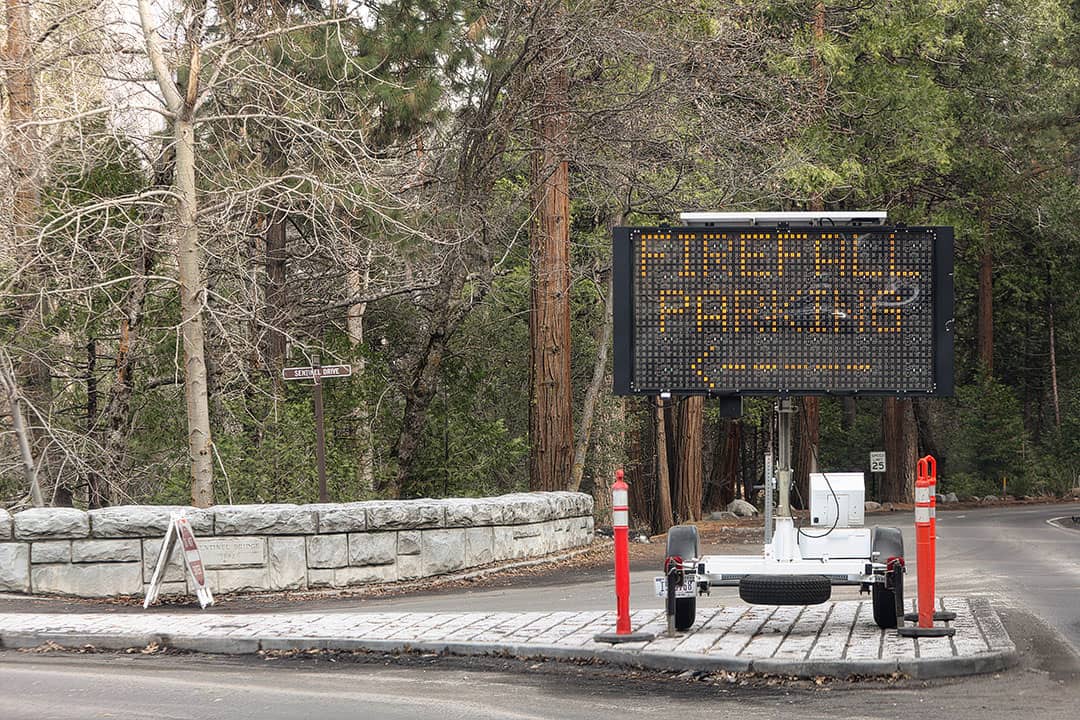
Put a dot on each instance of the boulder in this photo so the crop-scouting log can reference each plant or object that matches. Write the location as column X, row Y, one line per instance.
column 723, row 515
column 951, row 497
column 990, row 500
column 742, row 508
column 871, row 506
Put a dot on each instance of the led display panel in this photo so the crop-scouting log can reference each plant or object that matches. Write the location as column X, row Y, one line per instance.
column 778, row 311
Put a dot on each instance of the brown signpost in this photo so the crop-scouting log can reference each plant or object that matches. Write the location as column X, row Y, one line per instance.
column 317, row 372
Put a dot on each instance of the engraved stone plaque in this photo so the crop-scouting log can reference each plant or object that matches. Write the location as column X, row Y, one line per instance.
column 218, row 552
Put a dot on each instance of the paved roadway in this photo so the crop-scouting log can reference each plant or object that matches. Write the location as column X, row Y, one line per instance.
column 1010, row 554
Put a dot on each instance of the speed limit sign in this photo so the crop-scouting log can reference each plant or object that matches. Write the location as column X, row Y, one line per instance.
column 877, row 461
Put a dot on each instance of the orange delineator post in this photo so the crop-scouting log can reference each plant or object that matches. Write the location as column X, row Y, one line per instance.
column 620, row 525
column 924, row 539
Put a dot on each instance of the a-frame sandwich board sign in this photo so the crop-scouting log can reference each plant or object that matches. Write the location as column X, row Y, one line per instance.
column 180, row 529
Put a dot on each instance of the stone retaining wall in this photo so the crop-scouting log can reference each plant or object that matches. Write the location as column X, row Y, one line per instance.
column 248, row 548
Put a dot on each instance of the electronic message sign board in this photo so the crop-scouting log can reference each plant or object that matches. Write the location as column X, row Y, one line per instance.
column 783, row 311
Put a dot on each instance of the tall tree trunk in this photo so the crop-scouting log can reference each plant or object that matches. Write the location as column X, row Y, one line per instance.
column 662, row 521
column 1053, row 367
column 33, row 372
column 928, row 439
column 637, row 472
column 688, row 468
column 277, row 259
column 986, row 311
column 192, row 296
column 357, row 282
column 181, row 105
column 592, row 392
column 809, row 436
column 96, row 496
column 901, row 448
column 551, row 421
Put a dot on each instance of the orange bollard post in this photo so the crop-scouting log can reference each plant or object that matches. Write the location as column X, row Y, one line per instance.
column 620, row 524
column 926, row 550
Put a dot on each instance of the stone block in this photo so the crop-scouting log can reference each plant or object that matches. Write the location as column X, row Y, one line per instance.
column 409, row 567
column 239, row 580
column 472, row 513
column 341, row 517
column 288, row 563
column 7, row 530
column 372, row 548
column 320, row 578
column 169, row 588
column 15, row 567
column 505, row 546
column 51, row 524
column 442, row 551
column 527, row 531
column 85, row 551
column 265, row 520
column 219, row 553
column 146, row 520
column 50, row 551
column 327, row 551
column 408, row 542
column 344, row 577
column 89, row 580
column 479, row 546
column 404, row 514
column 174, row 567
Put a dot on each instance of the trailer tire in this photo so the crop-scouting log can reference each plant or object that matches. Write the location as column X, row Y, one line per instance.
column 785, row 589
column 887, row 542
column 682, row 541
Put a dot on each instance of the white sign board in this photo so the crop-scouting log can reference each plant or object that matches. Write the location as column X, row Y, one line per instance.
column 877, row 461
column 180, row 529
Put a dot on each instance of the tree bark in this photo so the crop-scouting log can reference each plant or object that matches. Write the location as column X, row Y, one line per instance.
column 1053, row 367
column 689, row 484
column 32, row 371
column 901, row 448
column 663, row 519
column 277, row 259
column 96, row 496
column 636, row 474
column 986, row 311
column 551, row 423
column 592, row 392
column 357, row 283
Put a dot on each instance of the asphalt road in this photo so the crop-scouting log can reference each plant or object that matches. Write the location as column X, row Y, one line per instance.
column 1030, row 569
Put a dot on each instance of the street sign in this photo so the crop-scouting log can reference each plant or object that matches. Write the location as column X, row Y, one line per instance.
column 309, row 373
column 877, row 461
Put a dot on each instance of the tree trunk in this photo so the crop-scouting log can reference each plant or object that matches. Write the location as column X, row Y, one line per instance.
column 688, row 468
column 357, row 283
column 901, row 448
column 96, row 496
column 551, row 422
column 806, row 461
column 277, row 259
column 33, row 372
column 192, row 296
column 592, row 393
column 986, row 311
column 1053, row 367
column 636, row 474
column 725, row 466
column 925, row 428
column 663, row 519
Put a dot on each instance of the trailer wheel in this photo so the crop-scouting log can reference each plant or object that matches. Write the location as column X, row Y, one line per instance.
column 785, row 589
column 888, row 543
column 682, row 541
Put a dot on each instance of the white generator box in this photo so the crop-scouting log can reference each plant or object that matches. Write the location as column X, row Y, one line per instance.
column 838, row 544
column 846, row 508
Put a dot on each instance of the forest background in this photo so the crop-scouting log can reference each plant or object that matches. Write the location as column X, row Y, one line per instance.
column 199, row 193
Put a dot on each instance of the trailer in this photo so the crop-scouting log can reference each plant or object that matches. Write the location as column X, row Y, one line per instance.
column 786, row 304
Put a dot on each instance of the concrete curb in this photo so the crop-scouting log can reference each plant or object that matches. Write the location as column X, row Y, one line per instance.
column 922, row 668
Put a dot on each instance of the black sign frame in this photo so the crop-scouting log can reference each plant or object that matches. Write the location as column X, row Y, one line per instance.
column 942, row 322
